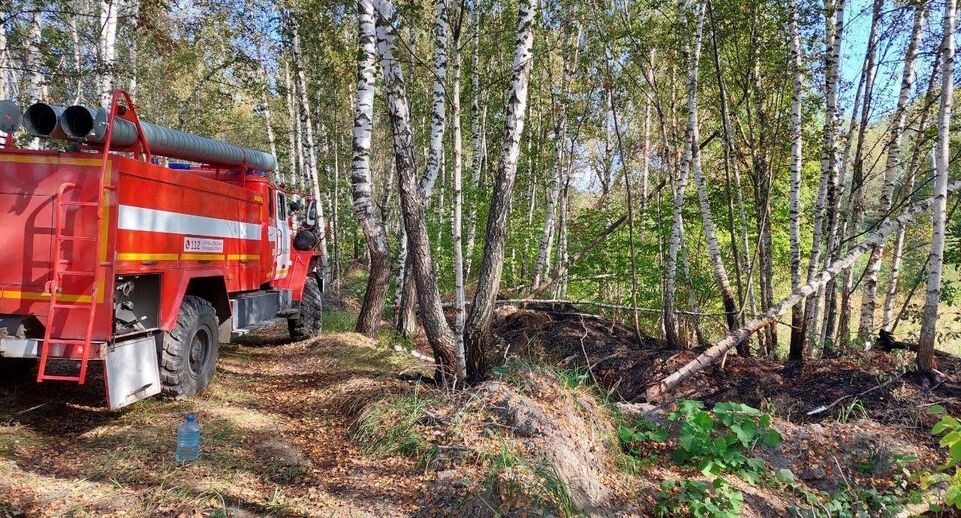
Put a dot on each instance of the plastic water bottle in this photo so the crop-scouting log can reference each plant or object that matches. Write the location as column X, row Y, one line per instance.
column 188, row 440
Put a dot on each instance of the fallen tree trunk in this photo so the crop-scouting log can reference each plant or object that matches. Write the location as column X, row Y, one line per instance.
column 714, row 353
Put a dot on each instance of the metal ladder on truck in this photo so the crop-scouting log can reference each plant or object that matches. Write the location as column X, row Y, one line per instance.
column 68, row 268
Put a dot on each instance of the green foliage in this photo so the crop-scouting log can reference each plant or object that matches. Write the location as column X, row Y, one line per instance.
column 949, row 428
column 699, row 499
column 630, row 436
column 718, row 440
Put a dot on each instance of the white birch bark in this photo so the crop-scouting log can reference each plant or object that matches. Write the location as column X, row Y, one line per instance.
column 133, row 43
column 35, row 88
column 457, row 221
column 369, row 317
column 482, row 310
column 478, row 129
column 438, row 332
column 694, row 156
column 439, row 101
column 677, row 227
column 292, row 132
column 77, row 59
column 891, row 174
column 108, row 43
column 560, row 142
column 833, row 21
column 797, row 156
column 772, row 314
column 6, row 84
column 928, row 335
column 311, row 147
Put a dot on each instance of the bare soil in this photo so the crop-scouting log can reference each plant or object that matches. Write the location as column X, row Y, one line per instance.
column 627, row 365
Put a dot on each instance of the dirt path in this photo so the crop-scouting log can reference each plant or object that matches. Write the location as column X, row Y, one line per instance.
column 276, row 441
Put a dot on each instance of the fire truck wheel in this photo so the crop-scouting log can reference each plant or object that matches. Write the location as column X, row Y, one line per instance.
column 189, row 357
column 309, row 322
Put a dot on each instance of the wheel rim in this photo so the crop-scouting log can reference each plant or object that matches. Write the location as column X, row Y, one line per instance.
column 199, row 350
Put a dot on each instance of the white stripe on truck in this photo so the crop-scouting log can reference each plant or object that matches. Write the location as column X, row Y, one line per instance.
column 153, row 220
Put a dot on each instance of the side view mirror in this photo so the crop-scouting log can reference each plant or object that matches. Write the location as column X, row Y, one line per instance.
column 310, row 218
column 295, row 206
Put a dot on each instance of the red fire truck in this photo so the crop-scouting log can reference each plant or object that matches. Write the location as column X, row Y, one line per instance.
column 109, row 255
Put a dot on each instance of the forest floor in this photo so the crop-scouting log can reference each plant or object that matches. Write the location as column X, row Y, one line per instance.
column 343, row 425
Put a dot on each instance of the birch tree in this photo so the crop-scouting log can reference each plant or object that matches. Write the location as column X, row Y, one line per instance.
column 677, row 228
column 932, row 299
column 554, row 192
column 891, row 174
column 439, row 104
column 375, row 297
column 833, row 24
column 438, row 333
column 482, row 310
column 797, row 157
column 108, row 51
column 694, row 156
column 310, row 144
column 457, row 221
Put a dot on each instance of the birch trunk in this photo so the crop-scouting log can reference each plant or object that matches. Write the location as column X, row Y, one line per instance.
column 891, row 174
column 677, row 228
column 77, row 59
column 560, row 141
column 457, row 222
column 856, row 212
column 833, row 21
column 35, row 85
column 422, row 271
column 133, row 43
column 6, row 72
column 714, row 353
column 478, row 144
column 928, row 334
column 292, row 141
column 714, row 250
column 375, row 297
column 797, row 156
column 439, row 103
column 482, row 310
column 311, row 145
column 108, row 41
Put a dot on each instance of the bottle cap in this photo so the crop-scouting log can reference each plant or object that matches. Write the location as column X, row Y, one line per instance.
column 191, row 418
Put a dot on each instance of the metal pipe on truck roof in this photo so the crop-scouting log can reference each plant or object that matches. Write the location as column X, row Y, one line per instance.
column 10, row 116
column 43, row 120
column 91, row 124
column 77, row 121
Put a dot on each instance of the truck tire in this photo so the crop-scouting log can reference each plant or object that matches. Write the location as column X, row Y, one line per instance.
column 189, row 357
column 309, row 322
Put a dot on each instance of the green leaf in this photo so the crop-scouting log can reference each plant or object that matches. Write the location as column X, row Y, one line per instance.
column 936, row 410
column 770, row 437
column 785, row 476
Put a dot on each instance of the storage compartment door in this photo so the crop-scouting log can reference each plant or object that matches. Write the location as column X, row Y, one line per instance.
column 132, row 371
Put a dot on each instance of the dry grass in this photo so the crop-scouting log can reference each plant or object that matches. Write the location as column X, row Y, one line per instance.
column 274, row 442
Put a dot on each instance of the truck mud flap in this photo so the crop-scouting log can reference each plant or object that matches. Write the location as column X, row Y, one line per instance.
column 132, row 371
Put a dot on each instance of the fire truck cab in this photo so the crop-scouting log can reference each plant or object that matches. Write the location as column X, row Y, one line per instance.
column 146, row 265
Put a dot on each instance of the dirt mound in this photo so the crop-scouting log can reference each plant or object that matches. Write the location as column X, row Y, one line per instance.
column 506, row 447
column 619, row 361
